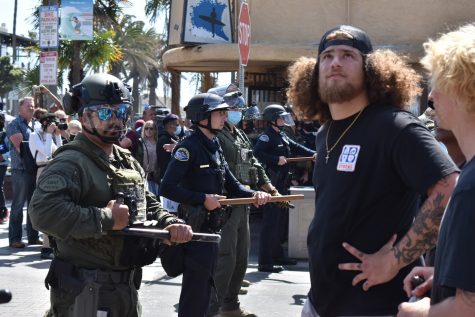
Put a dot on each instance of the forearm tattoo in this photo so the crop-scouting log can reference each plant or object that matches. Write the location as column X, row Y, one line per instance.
column 424, row 231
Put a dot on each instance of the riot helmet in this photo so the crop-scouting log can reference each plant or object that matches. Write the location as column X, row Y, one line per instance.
column 105, row 95
column 273, row 112
column 200, row 107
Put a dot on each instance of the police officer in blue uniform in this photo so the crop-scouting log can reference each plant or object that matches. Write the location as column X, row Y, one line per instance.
column 197, row 175
column 272, row 148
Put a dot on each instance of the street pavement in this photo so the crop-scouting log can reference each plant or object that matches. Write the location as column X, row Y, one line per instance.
column 277, row 294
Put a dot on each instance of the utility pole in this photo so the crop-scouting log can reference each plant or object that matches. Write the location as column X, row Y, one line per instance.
column 14, row 32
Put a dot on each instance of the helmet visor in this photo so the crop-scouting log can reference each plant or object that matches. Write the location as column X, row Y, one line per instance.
column 251, row 113
column 235, row 100
column 287, row 118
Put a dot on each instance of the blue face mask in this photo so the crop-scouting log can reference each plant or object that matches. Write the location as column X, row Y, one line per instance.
column 178, row 130
column 234, row 117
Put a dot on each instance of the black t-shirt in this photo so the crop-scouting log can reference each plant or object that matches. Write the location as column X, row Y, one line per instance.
column 368, row 191
column 455, row 259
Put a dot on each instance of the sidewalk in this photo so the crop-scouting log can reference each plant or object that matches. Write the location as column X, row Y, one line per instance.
column 276, row 294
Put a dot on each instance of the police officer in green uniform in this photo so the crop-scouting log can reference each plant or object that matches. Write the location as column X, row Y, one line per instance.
column 235, row 238
column 96, row 271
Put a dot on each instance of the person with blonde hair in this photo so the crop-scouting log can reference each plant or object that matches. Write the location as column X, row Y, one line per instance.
column 149, row 159
column 450, row 61
column 74, row 127
column 375, row 162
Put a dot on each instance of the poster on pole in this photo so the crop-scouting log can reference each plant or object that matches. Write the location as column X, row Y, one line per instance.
column 48, row 26
column 48, row 68
column 76, row 20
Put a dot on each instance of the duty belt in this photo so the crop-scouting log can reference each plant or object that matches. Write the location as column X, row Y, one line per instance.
column 106, row 277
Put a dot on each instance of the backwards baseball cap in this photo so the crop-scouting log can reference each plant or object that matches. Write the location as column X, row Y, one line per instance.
column 353, row 37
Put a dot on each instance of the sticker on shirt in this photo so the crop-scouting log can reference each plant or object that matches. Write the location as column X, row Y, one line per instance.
column 348, row 158
column 264, row 138
column 52, row 183
column 182, row 155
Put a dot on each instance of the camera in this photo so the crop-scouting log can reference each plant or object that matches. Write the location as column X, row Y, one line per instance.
column 61, row 125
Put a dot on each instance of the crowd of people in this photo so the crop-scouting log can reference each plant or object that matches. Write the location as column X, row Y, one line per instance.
column 391, row 187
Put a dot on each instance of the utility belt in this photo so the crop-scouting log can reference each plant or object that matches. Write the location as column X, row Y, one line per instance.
column 202, row 220
column 71, row 278
column 83, row 285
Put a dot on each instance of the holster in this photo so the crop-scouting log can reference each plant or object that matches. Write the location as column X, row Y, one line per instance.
column 202, row 220
column 85, row 304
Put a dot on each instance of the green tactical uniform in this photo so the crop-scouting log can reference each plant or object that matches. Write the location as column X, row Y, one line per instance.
column 235, row 238
column 69, row 204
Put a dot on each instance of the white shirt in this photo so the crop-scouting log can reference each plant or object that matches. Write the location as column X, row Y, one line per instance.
column 42, row 146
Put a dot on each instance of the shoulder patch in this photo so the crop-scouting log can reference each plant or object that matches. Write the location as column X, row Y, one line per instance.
column 264, row 138
column 182, row 155
column 52, row 183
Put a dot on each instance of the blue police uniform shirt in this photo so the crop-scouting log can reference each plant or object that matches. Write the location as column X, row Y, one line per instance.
column 272, row 144
column 191, row 173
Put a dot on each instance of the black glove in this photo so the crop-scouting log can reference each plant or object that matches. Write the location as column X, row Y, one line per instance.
column 281, row 204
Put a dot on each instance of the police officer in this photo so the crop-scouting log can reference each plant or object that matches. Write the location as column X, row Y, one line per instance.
column 96, row 272
column 272, row 148
column 198, row 175
column 235, row 240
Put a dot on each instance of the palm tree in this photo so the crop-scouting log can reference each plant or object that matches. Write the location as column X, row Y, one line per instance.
column 140, row 49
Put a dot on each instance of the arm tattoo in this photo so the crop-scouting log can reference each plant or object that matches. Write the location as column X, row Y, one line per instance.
column 424, row 231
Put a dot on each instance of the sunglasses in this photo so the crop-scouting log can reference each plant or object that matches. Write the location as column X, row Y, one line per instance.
column 105, row 112
column 430, row 104
column 149, row 128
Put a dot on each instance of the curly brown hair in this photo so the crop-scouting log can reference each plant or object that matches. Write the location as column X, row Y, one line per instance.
column 388, row 79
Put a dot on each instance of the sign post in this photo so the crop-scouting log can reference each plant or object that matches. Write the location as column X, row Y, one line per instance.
column 244, row 41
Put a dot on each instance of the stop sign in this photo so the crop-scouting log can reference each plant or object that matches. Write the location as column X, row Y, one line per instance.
column 244, row 33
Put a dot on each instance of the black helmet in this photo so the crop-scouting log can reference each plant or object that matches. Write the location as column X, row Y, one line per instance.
column 200, row 106
column 96, row 89
column 274, row 112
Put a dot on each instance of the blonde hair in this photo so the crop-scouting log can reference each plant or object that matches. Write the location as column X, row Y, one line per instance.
column 150, row 123
column 75, row 125
column 450, row 61
column 388, row 80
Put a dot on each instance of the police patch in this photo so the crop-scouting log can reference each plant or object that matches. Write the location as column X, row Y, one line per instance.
column 182, row 154
column 264, row 138
column 52, row 183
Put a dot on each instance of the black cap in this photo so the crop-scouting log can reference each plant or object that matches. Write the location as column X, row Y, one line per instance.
column 358, row 39
column 169, row 118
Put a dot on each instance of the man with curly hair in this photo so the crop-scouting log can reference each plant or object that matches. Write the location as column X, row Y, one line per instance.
column 450, row 61
column 375, row 162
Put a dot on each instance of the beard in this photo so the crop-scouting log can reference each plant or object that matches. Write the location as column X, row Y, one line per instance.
column 337, row 92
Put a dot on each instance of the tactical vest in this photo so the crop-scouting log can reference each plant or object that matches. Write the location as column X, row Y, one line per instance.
column 240, row 162
column 136, row 251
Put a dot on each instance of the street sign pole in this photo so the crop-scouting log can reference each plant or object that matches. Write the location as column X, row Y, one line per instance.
column 244, row 41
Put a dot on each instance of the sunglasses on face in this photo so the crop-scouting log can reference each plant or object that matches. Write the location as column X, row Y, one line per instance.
column 430, row 104
column 149, row 128
column 104, row 112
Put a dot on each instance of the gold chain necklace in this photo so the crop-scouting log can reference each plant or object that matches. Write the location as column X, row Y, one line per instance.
column 329, row 150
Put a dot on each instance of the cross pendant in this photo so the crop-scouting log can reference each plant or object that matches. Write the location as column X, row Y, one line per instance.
column 326, row 158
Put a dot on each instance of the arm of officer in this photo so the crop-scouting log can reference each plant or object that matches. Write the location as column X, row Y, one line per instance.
column 263, row 149
column 299, row 149
column 56, row 209
column 382, row 266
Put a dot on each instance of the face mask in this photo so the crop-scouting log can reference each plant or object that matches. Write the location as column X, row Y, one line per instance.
column 234, row 117
column 178, row 130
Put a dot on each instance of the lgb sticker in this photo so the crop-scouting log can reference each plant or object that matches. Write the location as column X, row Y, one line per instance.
column 348, row 158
